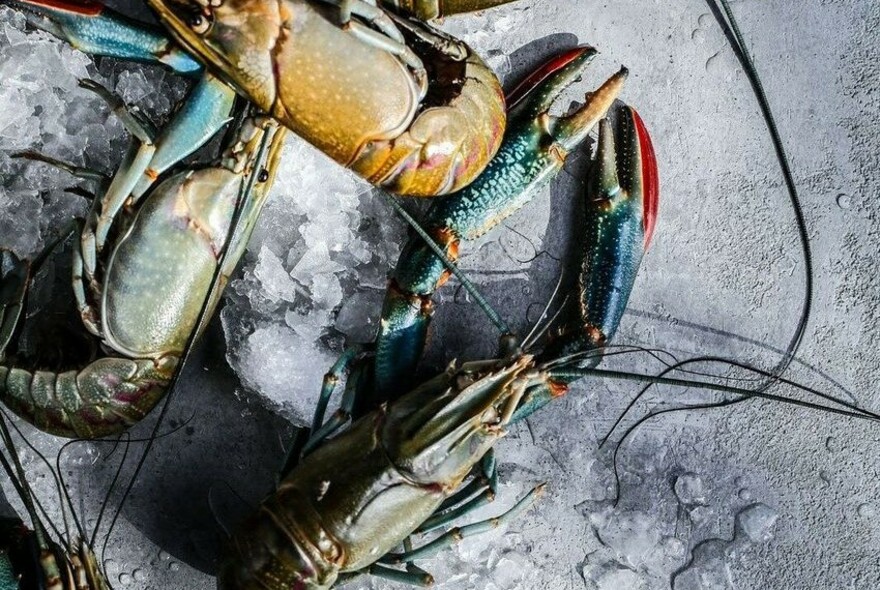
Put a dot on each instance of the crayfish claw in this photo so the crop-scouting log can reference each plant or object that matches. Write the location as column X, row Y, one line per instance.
column 620, row 210
column 625, row 171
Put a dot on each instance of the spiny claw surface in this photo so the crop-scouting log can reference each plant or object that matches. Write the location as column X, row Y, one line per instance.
column 532, row 153
column 620, row 213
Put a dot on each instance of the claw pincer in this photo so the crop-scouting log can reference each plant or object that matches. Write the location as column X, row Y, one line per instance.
column 618, row 221
column 620, row 213
column 532, row 153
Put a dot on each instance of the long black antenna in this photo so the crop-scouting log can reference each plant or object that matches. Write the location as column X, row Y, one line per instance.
column 724, row 15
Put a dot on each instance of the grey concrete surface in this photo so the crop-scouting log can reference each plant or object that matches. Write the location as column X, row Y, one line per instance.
column 753, row 496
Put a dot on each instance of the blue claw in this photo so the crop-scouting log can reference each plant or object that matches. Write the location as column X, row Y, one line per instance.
column 95, row 29
column 532, row 153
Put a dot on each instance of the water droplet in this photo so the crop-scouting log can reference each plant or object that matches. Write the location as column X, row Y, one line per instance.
column 867, row 510
column 844, row 201
column 699, row 35
column 164, row 556
column 713, row 64
column 745, row 494
column 526, row 290
column 174, row 566
column 705, row 19
column 125, row 579
column 139, row 575
column 700, row 514
column 689, row 489
column 832, row 444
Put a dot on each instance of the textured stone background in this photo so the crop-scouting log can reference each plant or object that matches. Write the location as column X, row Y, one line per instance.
column 725, row 262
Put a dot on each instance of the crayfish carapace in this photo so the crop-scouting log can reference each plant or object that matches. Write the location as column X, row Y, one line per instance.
column 144, row 271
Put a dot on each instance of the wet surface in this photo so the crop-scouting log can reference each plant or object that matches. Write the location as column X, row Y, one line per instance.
column 751, row 496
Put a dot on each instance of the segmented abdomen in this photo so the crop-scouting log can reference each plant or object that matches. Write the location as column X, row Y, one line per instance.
column 106, row 397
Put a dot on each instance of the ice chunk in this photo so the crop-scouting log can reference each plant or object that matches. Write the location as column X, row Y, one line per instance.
column 132, row 86
column 38, row 104
column 276, row 281
column 280, row 364
column 311, row 249
column 326, row 291
column 756, row 522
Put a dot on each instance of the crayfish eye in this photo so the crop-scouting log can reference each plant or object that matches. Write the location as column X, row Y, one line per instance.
column 200, row 24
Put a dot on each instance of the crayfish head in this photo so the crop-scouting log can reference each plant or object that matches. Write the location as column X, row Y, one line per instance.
column 439, row 431
column 234, row 38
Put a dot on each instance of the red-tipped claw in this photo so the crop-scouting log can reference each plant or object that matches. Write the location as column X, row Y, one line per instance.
column 650, row 177
column 620, row 213
column 626, row 174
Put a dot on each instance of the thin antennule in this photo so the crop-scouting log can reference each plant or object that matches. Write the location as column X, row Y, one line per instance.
column 214, row 511
column 17, row 475
column 724, row 15
column 651, row 416
column 61, row 490
column 550, row 322
column 852, row 410
column 528, row 341
column 757, row 393
column 118, row 474
column 109, row 493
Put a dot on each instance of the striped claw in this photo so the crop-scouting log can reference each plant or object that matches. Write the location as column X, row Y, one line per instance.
column 620, row 213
